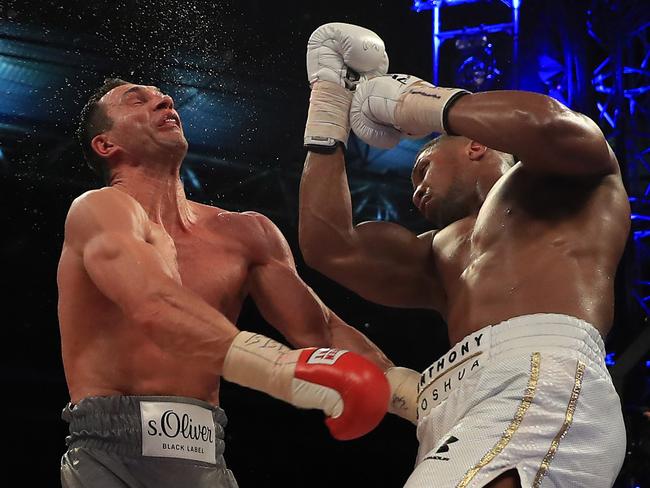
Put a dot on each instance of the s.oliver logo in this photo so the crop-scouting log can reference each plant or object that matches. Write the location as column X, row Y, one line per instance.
column 177, row 430
column 173, row 425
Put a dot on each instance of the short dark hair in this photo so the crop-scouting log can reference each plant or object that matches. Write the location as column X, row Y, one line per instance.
column 94, row 120
column 432, row 143
column 511, row 159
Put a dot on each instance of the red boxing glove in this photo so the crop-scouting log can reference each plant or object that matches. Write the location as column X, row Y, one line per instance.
column 363, row 388
column 351, row 390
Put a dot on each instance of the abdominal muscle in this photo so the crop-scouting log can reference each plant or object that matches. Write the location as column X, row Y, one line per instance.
column 104, row 354
column 492, row 289
column 125, row 362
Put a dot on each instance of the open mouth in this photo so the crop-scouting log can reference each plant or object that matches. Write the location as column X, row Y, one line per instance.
column 170, row 120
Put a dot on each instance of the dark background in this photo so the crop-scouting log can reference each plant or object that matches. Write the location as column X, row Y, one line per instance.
column 237, row 73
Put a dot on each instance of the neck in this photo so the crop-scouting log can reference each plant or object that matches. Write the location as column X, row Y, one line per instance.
column 159, row 191
column 488, row 176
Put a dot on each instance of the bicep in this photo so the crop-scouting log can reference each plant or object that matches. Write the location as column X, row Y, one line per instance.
column 281, row 296
column 391, row 266
column 108, row 232
column 124, row 268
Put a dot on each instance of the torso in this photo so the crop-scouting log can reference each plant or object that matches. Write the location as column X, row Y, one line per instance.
column 104, row 354
column 538, row 244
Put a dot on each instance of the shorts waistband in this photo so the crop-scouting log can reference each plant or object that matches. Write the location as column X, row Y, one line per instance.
column 547, row 331
column 115, row 423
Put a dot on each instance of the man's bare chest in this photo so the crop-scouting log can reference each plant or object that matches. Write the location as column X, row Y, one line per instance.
column 215, row 268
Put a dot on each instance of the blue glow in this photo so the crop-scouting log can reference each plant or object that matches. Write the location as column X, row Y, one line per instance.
column 641, row 234
column 647, row 364
column 609, row 359
column 605, row 115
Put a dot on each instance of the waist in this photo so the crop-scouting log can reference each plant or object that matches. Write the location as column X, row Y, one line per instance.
column 151, row 426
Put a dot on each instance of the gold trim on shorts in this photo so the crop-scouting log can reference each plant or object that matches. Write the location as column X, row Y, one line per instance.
column 568, row 419
column 535, row 360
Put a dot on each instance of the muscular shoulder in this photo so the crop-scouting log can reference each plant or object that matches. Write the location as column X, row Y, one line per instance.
column 106, row 209
column 104, row 200
column 254, row 230
column 267, row 241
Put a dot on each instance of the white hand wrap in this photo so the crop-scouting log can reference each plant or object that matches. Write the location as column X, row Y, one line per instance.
column 404, row 392
column 328, row 117
column 258, row 362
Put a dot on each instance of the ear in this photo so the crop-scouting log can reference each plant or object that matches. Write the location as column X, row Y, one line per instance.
column 103, row 146
column 475, row 150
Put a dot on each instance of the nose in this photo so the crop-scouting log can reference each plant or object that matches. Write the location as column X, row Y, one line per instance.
column 166, row 102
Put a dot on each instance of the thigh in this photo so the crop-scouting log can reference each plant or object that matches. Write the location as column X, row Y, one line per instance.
column 509, row 479
column 89, row 468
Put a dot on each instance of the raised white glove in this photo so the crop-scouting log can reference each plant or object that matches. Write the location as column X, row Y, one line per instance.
column 344, row 54
column 388, row 107
column 339, row 56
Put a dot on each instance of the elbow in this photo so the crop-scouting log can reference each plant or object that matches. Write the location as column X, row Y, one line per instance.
column 148, row 312
column 323, row 259
column 314, row 250
column 325, row 251
column 314, row 255
column 144, row 314
column 578, row 141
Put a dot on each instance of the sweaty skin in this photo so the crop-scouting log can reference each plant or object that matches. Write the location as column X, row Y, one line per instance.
column 151, row 284
column 545, row 235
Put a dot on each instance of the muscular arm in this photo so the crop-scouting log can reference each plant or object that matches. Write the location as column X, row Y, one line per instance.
column 546, row 135
column 288, row 304
column 381, row 261
column 110, row 231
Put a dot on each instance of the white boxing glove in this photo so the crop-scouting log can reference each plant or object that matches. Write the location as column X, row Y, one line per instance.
column 339, row 56
column 344, row 53
column 388, row 107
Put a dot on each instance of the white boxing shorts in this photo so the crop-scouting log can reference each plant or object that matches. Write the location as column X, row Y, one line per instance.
column 532, row 394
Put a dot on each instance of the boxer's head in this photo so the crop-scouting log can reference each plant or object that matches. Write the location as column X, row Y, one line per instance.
column 449, row 174
column 124, row 121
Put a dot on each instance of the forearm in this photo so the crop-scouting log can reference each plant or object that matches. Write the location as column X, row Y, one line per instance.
column 325, row 227
column 346, row 337
column 543, row 133
column 509, row 121
column 182, row 324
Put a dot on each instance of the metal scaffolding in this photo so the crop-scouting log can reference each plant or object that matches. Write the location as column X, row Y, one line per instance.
column 441, row 35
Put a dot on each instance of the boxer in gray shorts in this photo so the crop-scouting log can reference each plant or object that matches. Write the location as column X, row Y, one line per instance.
column 150, row 286
column 145, row 441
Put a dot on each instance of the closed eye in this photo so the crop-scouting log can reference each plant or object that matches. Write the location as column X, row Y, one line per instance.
column 136, row 99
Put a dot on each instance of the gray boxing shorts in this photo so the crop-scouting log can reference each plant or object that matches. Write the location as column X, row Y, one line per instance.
column 142, row 442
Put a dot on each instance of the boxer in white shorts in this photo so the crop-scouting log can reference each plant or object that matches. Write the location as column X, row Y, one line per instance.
column 522, row 250
column 531, row 393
